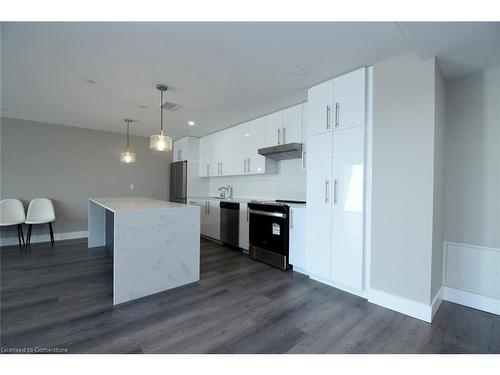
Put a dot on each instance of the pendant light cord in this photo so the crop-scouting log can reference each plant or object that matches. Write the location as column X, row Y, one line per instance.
column 128, row 124
column 161, row 112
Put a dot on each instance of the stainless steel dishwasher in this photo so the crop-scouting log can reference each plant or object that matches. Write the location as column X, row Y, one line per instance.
column 230, row 223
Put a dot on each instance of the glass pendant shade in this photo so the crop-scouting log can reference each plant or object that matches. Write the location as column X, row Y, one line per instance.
column 160, row 142
column 127, row 157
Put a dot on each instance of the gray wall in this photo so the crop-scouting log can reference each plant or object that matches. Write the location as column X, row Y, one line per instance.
column 472, row 159
column 69, row 165
column 403, row 173
column 438, row 199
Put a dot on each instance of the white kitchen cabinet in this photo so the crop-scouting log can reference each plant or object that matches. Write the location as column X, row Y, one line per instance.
column 205, row 157
column 284, row 126
column 186, row 148
column 304, row 136
column 349, row 98
column 209, row 216
column 213, row 219
column 244, row 227
column 297, row 238
column 273, row 128
column 247, row 139
column 256, row 138
column 319, row 207
column 292, row 124
column 221, row 153
column 347, row 212
column 320, row 108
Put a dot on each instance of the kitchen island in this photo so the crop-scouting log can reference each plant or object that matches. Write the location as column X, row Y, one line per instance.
column 155, row 244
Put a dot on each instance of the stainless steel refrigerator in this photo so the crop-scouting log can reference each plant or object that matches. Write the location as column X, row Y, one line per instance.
column 178, row 181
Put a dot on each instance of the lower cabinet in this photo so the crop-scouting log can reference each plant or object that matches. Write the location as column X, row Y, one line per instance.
column 244, row 227
column 210, row 216
column 297, row 238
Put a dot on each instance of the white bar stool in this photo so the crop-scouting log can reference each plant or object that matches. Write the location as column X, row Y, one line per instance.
column 12, row 213
column 40, row 211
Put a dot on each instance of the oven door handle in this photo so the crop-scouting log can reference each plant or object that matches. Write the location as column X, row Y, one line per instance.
column 265, row 213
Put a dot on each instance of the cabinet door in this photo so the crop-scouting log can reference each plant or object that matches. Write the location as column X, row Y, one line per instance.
column 213, row 219
column 347, row 243
column 304, row 136
column 256, row 131
column 216, row 153
column 297, row 243
column 244, row 227
column 203, row 208
column 320, row 108
column 204, row 156
column 240, row 142
column 273, row 128
column 226, row 152
column 349, row 98
column 292, row 124
column 319, row 206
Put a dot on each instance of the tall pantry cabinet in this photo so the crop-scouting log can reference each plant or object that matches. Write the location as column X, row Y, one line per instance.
column 337, row 117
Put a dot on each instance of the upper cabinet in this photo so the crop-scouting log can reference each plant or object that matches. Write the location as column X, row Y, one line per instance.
column 205, row 156
column 186, row 148
column 221, row 153
column 349, row 98
column 247, row 139
column 284, row 126
column 320, row 108
column 338, row 103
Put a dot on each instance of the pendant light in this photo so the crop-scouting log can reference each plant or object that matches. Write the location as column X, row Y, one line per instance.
column 161, row 142
column 127, row 156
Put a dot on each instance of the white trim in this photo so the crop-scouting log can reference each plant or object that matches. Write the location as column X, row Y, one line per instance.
column 436, row 302
column 474, row 300
column 9, row 241
column 345, row 288
column 405, row 306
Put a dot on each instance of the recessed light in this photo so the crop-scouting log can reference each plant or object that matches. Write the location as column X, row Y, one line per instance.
column 89, row 81
column 247, row 135
column 190, row 123
column 142, row 106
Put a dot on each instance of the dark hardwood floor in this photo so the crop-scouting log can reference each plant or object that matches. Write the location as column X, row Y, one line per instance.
column 61, row 298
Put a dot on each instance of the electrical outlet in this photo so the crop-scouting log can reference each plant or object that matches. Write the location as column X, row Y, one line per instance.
column 132, row 186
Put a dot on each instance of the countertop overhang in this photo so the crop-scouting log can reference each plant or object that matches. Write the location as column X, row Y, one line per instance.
column 135, row 203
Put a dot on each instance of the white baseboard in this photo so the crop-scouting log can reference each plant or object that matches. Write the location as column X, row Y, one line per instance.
column 436, row 302
column 357, row 292
column 403, row 305
column 45, row 237
column 474, row 300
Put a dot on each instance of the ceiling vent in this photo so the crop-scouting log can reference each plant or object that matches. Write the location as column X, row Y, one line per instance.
column 172, row 107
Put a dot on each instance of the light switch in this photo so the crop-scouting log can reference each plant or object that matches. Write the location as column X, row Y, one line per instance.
column 132, row 186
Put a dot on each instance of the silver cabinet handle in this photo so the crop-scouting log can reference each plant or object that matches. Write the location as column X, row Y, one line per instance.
column 248, row 165
column 337, row 114
column 327, row 198
column 291, row 218
column 244, row 165
column 248, row 214
column 284, row 135
column 221, row 172
column 208, row 169
column 208, row 207
column 303, row 159
column 265, row 213
column 279, row 136
column 328, row 122
column 335, row 188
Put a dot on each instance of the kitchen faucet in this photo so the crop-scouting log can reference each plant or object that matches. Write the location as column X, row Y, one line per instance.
column 223, row 189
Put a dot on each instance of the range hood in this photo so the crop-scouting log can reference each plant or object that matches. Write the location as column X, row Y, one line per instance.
column 282, row 152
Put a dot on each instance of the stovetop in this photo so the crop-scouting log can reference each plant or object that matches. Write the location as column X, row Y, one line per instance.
column 279, row 202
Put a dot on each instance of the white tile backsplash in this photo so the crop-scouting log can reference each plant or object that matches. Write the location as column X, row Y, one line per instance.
column 289, row 182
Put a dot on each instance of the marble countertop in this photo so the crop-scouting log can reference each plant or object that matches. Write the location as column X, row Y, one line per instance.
column 135, row 203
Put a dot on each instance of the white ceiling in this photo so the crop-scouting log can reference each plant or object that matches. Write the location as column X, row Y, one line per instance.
column 221, row 73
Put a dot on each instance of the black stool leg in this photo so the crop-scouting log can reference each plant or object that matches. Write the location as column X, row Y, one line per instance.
column 22, row 234
column 51, row 234
column 19, row 236
column 28, row 236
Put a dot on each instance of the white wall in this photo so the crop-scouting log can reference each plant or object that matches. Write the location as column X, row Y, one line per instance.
column 472, row 159
column 403, row 174
column 289, row 182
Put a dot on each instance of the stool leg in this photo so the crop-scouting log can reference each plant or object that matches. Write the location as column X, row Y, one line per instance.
column 28, row 236
column 22, row 234
column 51, row 234
column 19, row 236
